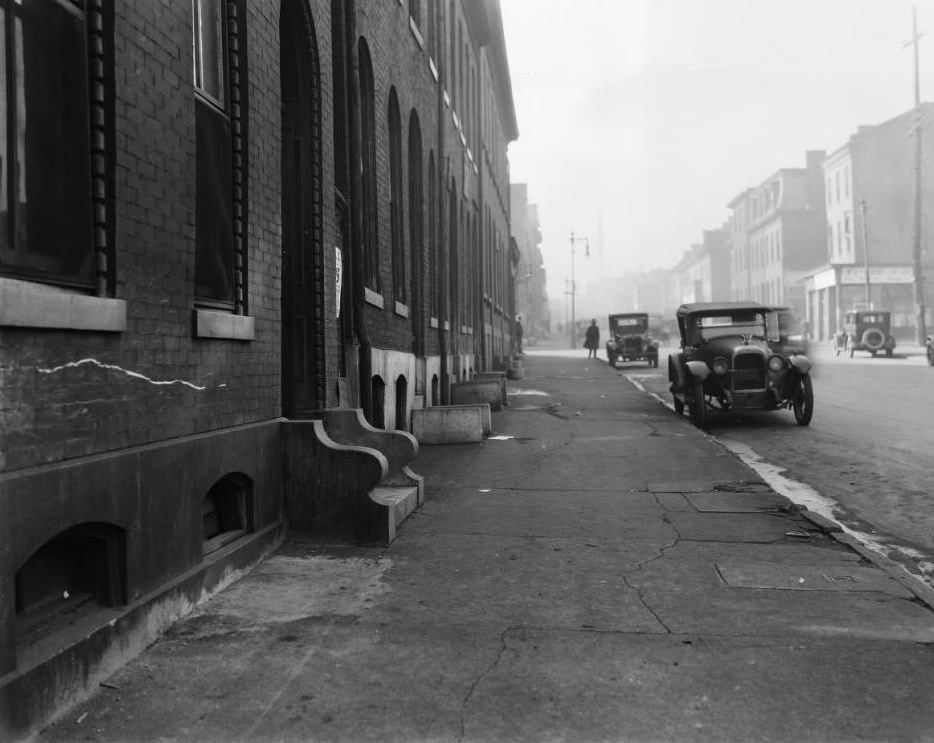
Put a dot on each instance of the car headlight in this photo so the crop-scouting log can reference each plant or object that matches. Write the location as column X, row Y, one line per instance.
column 720, row 366
column 776, row 363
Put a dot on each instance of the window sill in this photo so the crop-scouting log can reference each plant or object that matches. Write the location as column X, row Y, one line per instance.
column 27, row 304
column 413, row 27
column 373, row 298
column 433, row 322
column 434, row 70
column 401, row 309
column 223, row 325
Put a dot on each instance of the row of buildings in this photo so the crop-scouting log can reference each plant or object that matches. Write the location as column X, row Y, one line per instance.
column 836, row 234
column 217, row 219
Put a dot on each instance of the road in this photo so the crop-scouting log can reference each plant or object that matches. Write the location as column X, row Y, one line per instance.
column 865, row 460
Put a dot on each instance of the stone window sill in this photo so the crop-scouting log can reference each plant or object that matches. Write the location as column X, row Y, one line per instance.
column 28, row 304
column 223, row 325
column 373, row 298
column 401, row 309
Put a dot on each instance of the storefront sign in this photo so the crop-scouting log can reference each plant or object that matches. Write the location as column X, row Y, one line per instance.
column 877, row 275
column 824, row 279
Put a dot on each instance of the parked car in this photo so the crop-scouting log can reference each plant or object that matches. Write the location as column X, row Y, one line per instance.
column 630, row 339
column 865, row 330
column 726, row 362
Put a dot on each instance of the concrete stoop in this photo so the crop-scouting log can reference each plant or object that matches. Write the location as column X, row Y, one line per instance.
column 399, row 501
column 346, row 477
column 452, row 424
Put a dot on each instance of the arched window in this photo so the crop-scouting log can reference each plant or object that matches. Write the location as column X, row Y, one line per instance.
column 434, row 277
column 416, row 207
column 368, row 146
column 396, row 199
column 76, row 573
column 402, row 407
column 226, row 511
column 378, row 396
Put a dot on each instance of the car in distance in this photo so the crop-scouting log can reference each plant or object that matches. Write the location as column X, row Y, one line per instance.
column 727, row 362
column 630, row 339
column 868, row 330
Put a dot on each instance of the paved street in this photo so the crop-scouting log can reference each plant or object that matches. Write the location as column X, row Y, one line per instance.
column 867, row 453
column 598, row 570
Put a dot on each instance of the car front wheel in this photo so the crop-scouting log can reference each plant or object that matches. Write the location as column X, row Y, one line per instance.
column 679, row 405
column 698, row 405
column 930, row 356
column 803, row 404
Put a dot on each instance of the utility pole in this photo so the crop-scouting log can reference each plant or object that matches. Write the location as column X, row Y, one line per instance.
column 918, row 294
column 574, row 240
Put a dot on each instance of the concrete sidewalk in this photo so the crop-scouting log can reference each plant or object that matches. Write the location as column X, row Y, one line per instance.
column 605, row 572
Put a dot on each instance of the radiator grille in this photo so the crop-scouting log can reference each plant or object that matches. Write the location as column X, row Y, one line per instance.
column 748, row 372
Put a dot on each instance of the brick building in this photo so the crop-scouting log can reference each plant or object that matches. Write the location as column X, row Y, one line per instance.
column 777, row 235
column 217, row 218
column 869, row 191
column 531, row 294
column 703, row 273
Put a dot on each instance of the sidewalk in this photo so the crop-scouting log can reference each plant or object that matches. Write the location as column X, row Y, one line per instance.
column 606, row 572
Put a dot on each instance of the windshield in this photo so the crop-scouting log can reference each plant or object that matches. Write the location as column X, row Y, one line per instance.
column 707, row 327
column 630, row 325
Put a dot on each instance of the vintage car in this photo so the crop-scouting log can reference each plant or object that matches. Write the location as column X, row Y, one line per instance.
column 865, row 330
column 726, row 362
column 630, row 339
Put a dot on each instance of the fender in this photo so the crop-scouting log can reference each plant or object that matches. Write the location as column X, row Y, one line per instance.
column 676, row 373
column 698, row 369
column 800, row 363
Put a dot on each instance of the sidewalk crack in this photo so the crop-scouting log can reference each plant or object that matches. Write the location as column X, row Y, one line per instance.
column 476, row 683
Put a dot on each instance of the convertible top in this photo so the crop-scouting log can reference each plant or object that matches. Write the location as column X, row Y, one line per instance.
column 714, row 307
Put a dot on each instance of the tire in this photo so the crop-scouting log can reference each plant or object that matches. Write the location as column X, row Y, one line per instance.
column 611, row 359
column 930, row 355
column 679, row 405
column 888, row 352
column 849, row 350
column 873, row 339
column 698, row 405
column 803, row 405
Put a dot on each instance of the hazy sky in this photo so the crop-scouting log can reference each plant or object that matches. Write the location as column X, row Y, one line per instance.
column 639, row 120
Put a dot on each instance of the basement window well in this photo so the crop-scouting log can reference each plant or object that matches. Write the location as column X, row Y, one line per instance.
column 225, row 511
column 71, row 578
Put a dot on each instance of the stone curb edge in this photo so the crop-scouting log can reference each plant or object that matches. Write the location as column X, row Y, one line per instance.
column 912, row 583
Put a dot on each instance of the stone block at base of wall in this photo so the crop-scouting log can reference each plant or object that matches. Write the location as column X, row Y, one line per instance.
column 478, row 391
column 451, row 424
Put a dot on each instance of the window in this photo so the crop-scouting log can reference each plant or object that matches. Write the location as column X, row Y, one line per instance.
column 368, row 146
column 45, row 142
column 226, row 511
column 396, row 198
column 219, row 222
column 72, row 576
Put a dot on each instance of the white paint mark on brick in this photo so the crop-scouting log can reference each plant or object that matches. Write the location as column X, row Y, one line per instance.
column 129, row 373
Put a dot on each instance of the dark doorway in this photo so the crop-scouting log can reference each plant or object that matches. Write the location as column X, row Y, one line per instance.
column 302, row 259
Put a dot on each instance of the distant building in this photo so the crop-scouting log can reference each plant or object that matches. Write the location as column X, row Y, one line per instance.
column 703, row 273
column 777, row 235
column 869, row 185
column 531, row 278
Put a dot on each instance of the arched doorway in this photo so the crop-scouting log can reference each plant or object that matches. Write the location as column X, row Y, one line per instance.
column 303, row 378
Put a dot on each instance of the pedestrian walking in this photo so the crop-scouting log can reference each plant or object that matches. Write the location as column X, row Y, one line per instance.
column 519, row 335
column 592, row 340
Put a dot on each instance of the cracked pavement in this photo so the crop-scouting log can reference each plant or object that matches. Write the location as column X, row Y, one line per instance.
column 608, row 574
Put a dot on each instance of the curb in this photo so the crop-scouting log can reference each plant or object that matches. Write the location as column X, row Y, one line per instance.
column 911, row 582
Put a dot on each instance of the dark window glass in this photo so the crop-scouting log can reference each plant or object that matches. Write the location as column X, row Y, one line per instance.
column 395, row 198
column 214, row 258
column 368, row 136
column 214, row 208
column 44, row 143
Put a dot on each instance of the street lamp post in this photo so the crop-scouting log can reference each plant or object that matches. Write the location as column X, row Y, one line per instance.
column 573, row 292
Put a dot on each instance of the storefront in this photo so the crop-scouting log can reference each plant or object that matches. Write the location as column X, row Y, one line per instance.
column 835, row 289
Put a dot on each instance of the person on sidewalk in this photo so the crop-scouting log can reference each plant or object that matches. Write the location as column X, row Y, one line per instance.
column 519, row 334
column 592, row 340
